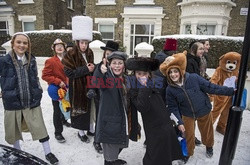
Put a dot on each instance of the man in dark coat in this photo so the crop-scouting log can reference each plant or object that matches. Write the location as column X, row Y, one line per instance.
column 162, row 144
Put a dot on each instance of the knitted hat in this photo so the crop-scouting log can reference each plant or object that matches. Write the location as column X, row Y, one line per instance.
column 82, row 28
column 111, row 45
column 175, row 61
column 142, row 64
column 118, row 55
column 56, row 42
column 53, row 92
column 170, row 44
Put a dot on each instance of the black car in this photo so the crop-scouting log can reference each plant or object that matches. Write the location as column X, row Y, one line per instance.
column 12, row 156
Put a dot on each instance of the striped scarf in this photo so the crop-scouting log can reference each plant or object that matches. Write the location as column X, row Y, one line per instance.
column 21, row 67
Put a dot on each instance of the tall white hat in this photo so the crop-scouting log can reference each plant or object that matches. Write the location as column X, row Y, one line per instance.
column 82, row 28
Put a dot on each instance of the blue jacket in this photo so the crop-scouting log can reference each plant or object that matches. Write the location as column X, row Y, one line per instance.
column 191, row 99
column 9, row 84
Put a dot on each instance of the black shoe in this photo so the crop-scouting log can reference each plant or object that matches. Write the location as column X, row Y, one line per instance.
column 51, row 158
column 185, row 159
column 98, row 147
column 197, row 142
column 145, row 144
column 60, row 138
column 67, row 124
column 90, row 133
column 209, row 152
column 84, row 138
column 120, row 162
column 116, row 162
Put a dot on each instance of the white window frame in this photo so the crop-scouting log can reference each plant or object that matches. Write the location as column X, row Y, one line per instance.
column 134, row 35
column 106, row 2
column 26, row 18
column 6, row 27
column 106, row 21
column 113, row 31
column 26, row 2
column 144, row 2
column 70, row 4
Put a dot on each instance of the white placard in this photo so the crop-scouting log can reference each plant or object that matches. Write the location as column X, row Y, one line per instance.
column 243, row 11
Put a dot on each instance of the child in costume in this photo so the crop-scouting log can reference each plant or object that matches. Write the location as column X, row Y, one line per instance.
column 162, row 144
column 227, row 71
column 187, row 98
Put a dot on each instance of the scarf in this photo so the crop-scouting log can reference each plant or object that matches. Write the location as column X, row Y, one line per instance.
column 21, row 67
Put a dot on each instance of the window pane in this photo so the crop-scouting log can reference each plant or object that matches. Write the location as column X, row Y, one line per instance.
column 3, row 33
column 106, row 35
column 142, row 29
column 152, row 29
column 3, row 25
column 28, row 26
column 107, row 31
column 106, row 28
column 188, row 29
column 206, row 29
column 132, row 29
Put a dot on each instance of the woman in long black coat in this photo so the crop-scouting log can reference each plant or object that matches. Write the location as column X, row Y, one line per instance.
column 162, row 144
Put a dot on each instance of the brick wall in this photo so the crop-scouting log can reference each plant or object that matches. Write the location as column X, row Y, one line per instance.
column 54, row 12
column 170, row 22
column 237, row 24
column 28, row 9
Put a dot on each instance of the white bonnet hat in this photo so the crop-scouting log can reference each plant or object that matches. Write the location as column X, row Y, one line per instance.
column 82, row 28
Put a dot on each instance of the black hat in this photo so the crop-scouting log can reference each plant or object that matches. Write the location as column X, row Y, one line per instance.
column 142, row 64
column 69, row 44
column 111, row 45
column 118, row 55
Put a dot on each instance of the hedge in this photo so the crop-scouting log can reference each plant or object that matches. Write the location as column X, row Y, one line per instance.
column 41, row 41
column 219, row 45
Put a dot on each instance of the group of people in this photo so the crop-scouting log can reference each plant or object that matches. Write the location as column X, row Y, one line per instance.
column 108, row 109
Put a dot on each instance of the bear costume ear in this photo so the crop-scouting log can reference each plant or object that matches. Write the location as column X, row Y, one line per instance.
column 185, row 52
column 221, row 56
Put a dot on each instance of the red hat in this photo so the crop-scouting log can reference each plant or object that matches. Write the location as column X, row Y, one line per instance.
column 170, row 44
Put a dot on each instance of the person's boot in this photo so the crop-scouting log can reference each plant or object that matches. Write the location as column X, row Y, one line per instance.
column 51, row 158
column 116, row 162
column 66, row 123
column 220, row 130
column 197, row 141
column 209, row 152
column 84, row 138
column 60, row 138
column 185, row 159
column 98, row 147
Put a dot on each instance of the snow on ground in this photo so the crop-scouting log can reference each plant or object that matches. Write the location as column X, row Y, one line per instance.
column 74, row 152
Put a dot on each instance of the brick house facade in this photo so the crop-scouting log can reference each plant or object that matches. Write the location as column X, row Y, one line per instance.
column 24, row 15
column 135, row 21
